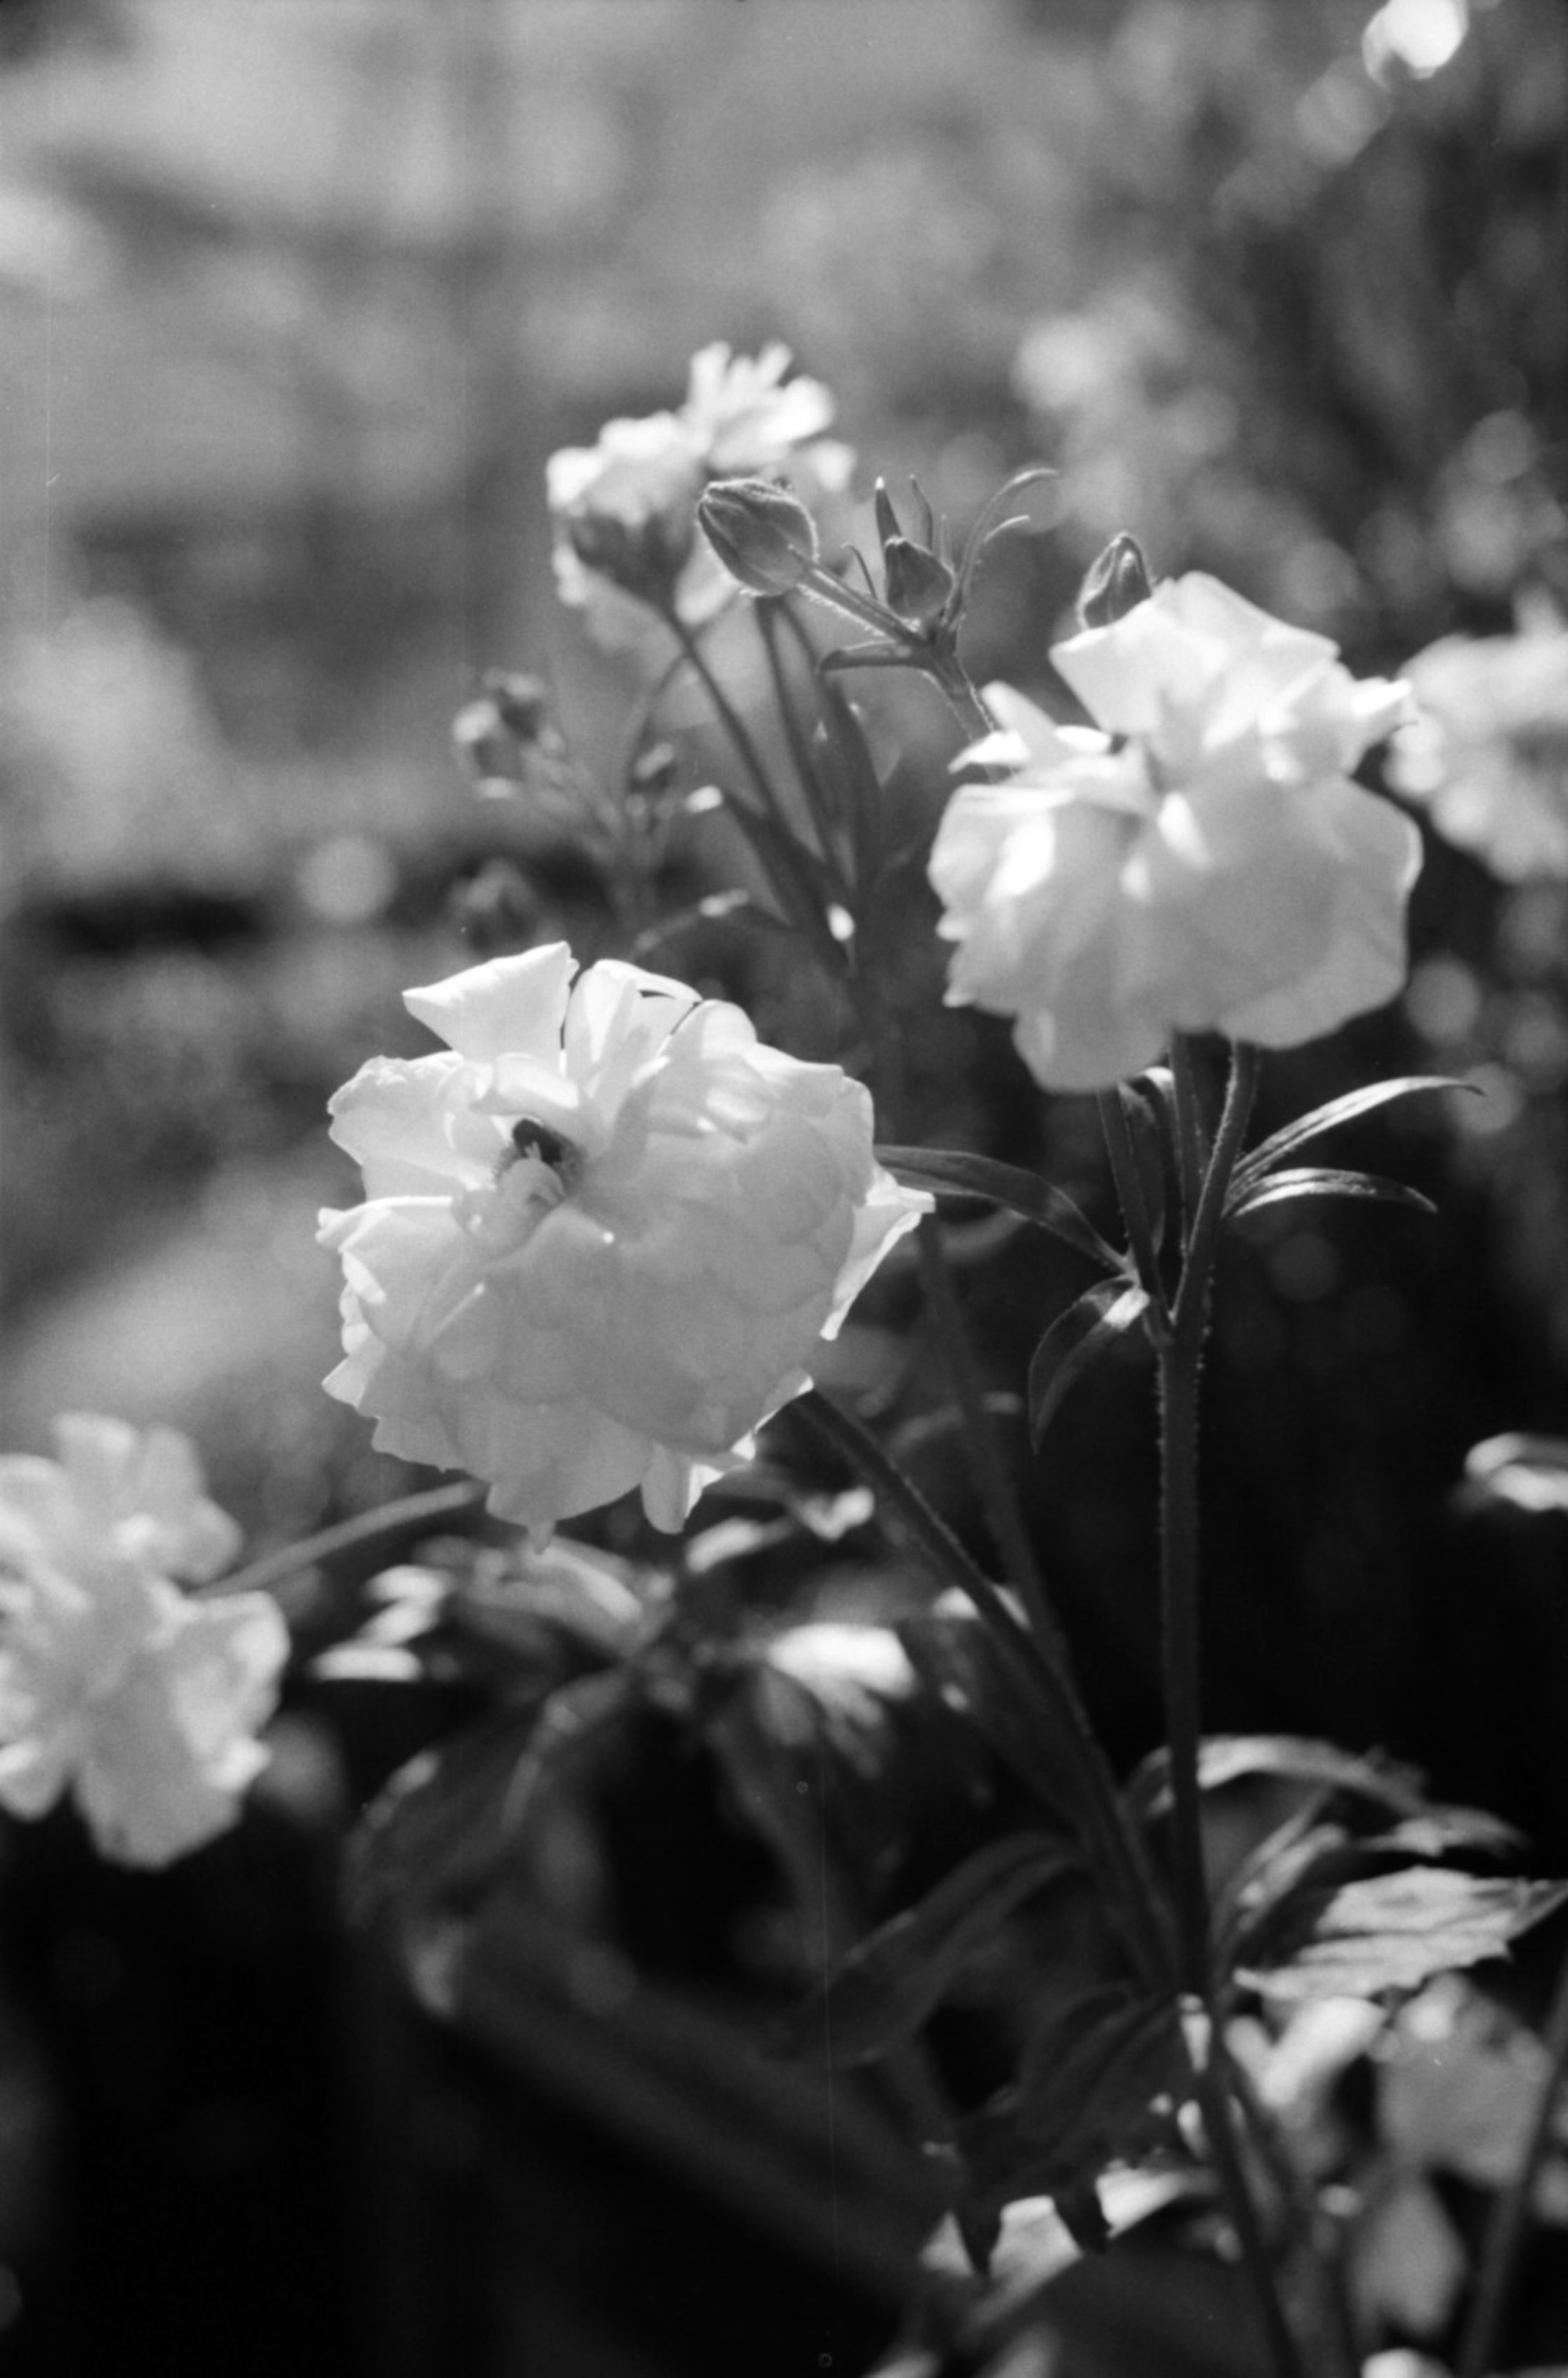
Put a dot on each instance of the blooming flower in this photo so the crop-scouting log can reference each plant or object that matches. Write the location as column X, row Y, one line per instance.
column 625, row 510
column 1199, row 863
column 603, row 1235
column 1489, row 747
column 112, row 1681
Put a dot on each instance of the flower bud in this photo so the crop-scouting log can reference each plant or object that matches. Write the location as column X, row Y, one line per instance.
column 1115, row 584
column 918, row 584
column 762, row 534
column 502, row 729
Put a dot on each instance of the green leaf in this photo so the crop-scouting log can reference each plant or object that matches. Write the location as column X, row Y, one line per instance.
column 1315, row 1181
column 950, row 1174
column 1395, row 1932
column 887, row 1986
column 436, row 1836
column 1234, row 1758
column 1144, row 1108
column 1089, row 1328
column 1101, row 2084
column 849, row 774
column 1355, row 1103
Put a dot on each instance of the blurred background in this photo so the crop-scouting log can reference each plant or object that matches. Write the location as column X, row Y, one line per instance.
column 297, row 297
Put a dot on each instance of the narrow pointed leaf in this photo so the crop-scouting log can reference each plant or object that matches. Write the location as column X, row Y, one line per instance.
column 1321, row 1181
column 1088, row 1329
column 953, row 1174
column 887, row 1986
column 1141, row 1106
column 1349, row 1108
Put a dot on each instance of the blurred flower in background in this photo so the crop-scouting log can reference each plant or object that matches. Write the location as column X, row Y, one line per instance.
column 625, row 510
column 114, row 1684
column 1487, row 753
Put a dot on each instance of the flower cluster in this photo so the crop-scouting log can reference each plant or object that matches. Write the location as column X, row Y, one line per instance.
column 1197, row 861
column 603, row 1235
column 1488, row 748
column 113, row 1682
column 625, row 511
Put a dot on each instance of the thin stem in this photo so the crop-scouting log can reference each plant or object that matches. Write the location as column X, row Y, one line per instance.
column 954, row 681
column 1180, row 1648
column 779, row 854
column 1320, row 2246
column 765, row 612
column 1109, row 1838
column 992, row 1475
column 388, row 1529
column 1284, row 2352
column 1180, row 1356
column 1510, row 2210
column 1180, row 1359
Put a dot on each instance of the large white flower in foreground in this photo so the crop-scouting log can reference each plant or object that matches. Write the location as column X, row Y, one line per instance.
column 1489, row 747
column 1200, row 861
column 602, row 1236
column 625, row 510
column 113, row 1682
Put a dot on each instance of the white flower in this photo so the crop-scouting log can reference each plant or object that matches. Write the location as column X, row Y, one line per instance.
column 625, row 510
column 1215, row 871
column 602, row 1237
column 113, row 1682
column 1489, row 747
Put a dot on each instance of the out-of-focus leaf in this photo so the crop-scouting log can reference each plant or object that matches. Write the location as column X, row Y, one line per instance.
column 1321, row 1181
column 887, row 1985
column 1101, row 2084
column 363, row 1662
column 957, row 1655
column 848, row 775
column 1355, row 1103
column 434, row 1836
column 1075, row 1341
column 1392, row 1931
column 1232, row 1757
column 949, row 1172
column 834, row 1747
column 597, row 1601
column 1518, row 1472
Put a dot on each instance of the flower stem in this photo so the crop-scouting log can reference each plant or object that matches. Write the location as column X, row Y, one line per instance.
column 391, row 1528
column 769, row 830
column 1511, row 2209
column 1214, row 2096
column 1180, row 1351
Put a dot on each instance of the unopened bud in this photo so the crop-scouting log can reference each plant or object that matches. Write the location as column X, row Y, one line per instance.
column 643, row 556
column 762, row 534
column 1115, row 584
column 504, row 728
column 918, row 584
